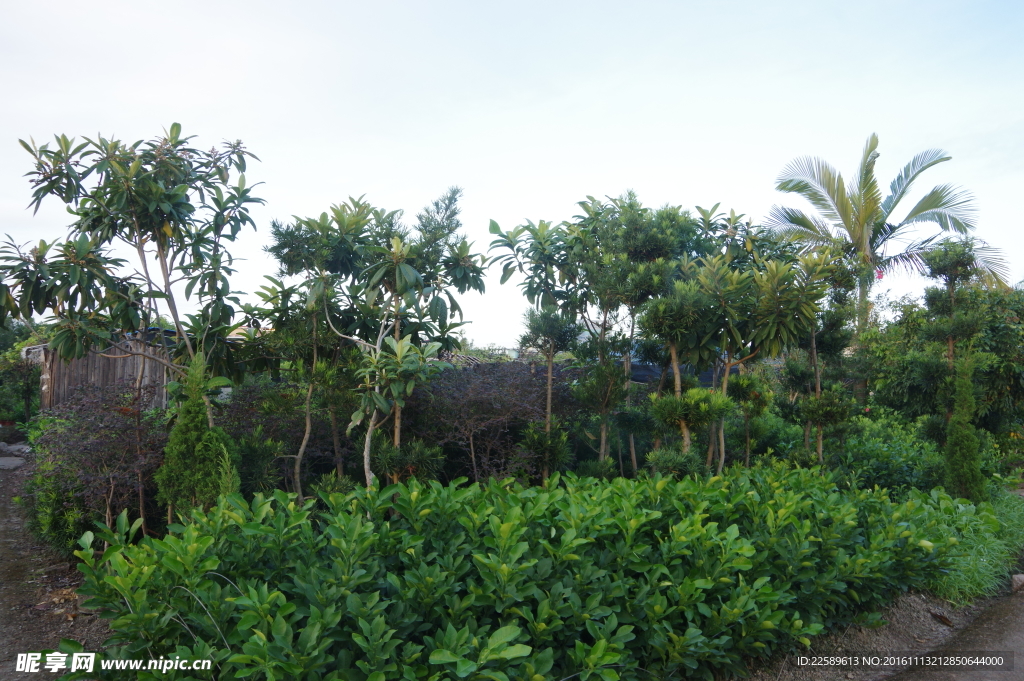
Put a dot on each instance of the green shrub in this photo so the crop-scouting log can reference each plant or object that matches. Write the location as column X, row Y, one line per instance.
column 672, row 462
column 191, row 472
column 55, row 513
column 891, row 455
column 681, row 577
column 601, row 470
column 96, row 454
column 991, row 538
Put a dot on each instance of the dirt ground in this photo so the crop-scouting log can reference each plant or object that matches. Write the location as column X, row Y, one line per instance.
column 911, row 627
column 39, row 607
column 38, row 604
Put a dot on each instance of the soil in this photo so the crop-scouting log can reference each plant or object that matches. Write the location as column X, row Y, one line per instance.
column 38, row 603
column 913, row 624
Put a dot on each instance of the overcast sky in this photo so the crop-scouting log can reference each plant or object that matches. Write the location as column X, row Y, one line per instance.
column 527, row 106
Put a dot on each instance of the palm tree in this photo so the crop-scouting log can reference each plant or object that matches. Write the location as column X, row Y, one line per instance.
column 853, row 218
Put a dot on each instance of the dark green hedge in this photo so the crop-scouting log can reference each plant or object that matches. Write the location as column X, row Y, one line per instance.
column 605, row 579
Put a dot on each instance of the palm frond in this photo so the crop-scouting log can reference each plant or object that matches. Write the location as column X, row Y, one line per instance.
column 902, row 183
column 783, row 217
column 887, row 233
column 994, row 268
column 866, row 198
column 910, row 258
column 949, row 207
column 819, row 183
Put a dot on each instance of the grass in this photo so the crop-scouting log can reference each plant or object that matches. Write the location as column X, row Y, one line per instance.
column 989, row 554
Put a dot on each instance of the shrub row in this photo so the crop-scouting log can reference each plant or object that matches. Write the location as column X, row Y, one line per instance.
column 604, row 579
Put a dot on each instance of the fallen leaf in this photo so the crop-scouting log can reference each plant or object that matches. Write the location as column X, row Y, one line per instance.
column 941, row 618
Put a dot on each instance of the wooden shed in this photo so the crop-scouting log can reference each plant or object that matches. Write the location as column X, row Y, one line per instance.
column 112, row 366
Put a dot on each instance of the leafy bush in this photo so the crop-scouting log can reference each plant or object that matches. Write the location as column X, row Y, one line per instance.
column 191, row 471
column 672, row 462
column 97, row 453
column 585, row 577
column 891, row 455
column 991, row 538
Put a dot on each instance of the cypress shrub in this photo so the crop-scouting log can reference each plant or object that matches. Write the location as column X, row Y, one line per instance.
column 963, row 460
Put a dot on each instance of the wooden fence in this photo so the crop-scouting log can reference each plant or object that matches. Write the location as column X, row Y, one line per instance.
column 114, row 366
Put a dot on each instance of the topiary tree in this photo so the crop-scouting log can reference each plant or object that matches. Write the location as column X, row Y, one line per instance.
column 963, row 462
column 753, row 397
column 696, row 408
column 191, row 474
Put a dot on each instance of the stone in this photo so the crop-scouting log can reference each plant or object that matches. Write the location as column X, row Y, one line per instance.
column 9, row 463
column 19, row 449
column 1018, row 582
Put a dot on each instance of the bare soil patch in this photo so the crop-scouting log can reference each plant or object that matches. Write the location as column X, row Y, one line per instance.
column 915, row 623
column 38, row 602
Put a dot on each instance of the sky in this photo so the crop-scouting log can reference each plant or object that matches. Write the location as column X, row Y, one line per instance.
column 528, row 106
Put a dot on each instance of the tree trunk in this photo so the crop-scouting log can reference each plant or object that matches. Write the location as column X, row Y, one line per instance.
column 339, row 462
column 551, row 369
column 814, row 360
column 675, row 369
column 305, row 441
column 602, row 452
column 821, row 458
column 712, row 445
column 366, row 449
column 632, row 454
column 721, row 446
column 472, row 457
column 807, row 436
column 684, row 430
column 398, row 426
column 746, row 436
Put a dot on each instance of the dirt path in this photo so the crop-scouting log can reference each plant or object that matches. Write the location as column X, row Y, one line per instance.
column 999, row 629
column 38, row 606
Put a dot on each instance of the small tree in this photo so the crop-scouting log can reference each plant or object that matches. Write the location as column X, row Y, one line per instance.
column 193, row 459
column 696, row 408
column 753, row 398
column 551, row 333
column 963, row 464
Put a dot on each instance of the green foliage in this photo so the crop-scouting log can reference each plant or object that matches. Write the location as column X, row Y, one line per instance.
column 191, row 474
column 696, row 408
column 412, row 459
column 55, row 514
column 681, row 577
column 990, row 540
column 671, row 462
column 549, row 331
column 891, row 454
column 169, row 202
column 257, row 459
column 551, row 449
column 963, row 461
column 601, row 469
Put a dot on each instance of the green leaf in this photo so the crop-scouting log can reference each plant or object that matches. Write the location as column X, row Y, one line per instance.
column 518, row 650
column 443, row 656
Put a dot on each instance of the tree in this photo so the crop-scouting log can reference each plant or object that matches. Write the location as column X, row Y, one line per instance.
column 753, row 397
column 695, row 408
column 193, row 458
column 676, row 318
column 384, row 287
column 550, row 332
column 963, row 463
column 175, row 206
column 855, row 220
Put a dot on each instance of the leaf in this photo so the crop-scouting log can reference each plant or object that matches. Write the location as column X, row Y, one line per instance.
column 518, row 650
column 443, row 656
column 503, row 635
